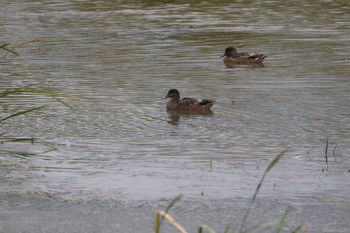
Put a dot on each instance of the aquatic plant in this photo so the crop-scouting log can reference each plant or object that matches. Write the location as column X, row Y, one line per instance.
column 27, row 89
column 11, row 49
column 5, row 46
column 206, row 228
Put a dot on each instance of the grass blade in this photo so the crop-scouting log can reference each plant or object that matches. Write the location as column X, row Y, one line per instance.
column 170, row 219
column 206, row 228
column 4, row 47
column 227, row 229
column 160, row 218
column 273, row 162
column 21, row 113
column 279, row 227
column 297, row 228
column 31, row 140
column 30, row 42
column 49, row 146
column 21, row 154
column 170, row 205
column 158, row 222
column 33, row 91
column 64, row 103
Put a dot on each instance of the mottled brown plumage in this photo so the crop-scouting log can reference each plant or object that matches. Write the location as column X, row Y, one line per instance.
column 187, row 104
column 233, row 57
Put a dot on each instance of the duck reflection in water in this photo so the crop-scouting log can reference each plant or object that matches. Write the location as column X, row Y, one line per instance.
column 177, row 107
column 174, row 116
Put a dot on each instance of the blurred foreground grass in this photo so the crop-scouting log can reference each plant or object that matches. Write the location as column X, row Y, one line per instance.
column 161, row 215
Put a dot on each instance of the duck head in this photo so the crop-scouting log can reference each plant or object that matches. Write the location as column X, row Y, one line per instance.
column 173, row 94
column 229, row 51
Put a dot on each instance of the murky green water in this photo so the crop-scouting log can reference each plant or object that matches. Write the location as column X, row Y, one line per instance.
column 118, row 143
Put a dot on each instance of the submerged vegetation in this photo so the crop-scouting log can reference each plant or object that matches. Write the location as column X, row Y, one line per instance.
column 242, row 229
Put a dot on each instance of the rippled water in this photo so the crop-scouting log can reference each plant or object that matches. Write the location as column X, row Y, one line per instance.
column 121, row 57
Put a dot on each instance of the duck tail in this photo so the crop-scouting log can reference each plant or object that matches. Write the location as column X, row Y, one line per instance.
column 257, row 57
column 206, row 102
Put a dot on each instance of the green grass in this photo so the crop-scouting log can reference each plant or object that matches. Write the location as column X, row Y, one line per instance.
column 6, row 47
column 21, row 113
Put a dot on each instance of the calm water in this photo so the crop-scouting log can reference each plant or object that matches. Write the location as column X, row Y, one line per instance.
column 121, row 57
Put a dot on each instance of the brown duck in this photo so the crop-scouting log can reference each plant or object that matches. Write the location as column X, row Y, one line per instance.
column 233, row 57
column 187, row 104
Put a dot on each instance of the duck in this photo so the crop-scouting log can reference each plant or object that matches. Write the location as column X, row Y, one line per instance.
column 186, row 104
column 231, row 56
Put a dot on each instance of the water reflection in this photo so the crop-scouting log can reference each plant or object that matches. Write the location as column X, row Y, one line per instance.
column 235, row 66
column 174, row 116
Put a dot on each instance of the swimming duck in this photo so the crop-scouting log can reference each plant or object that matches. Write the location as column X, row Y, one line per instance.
column 187, row 104
column 233, row 57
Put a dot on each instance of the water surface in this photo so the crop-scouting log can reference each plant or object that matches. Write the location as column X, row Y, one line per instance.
column 118, row 143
